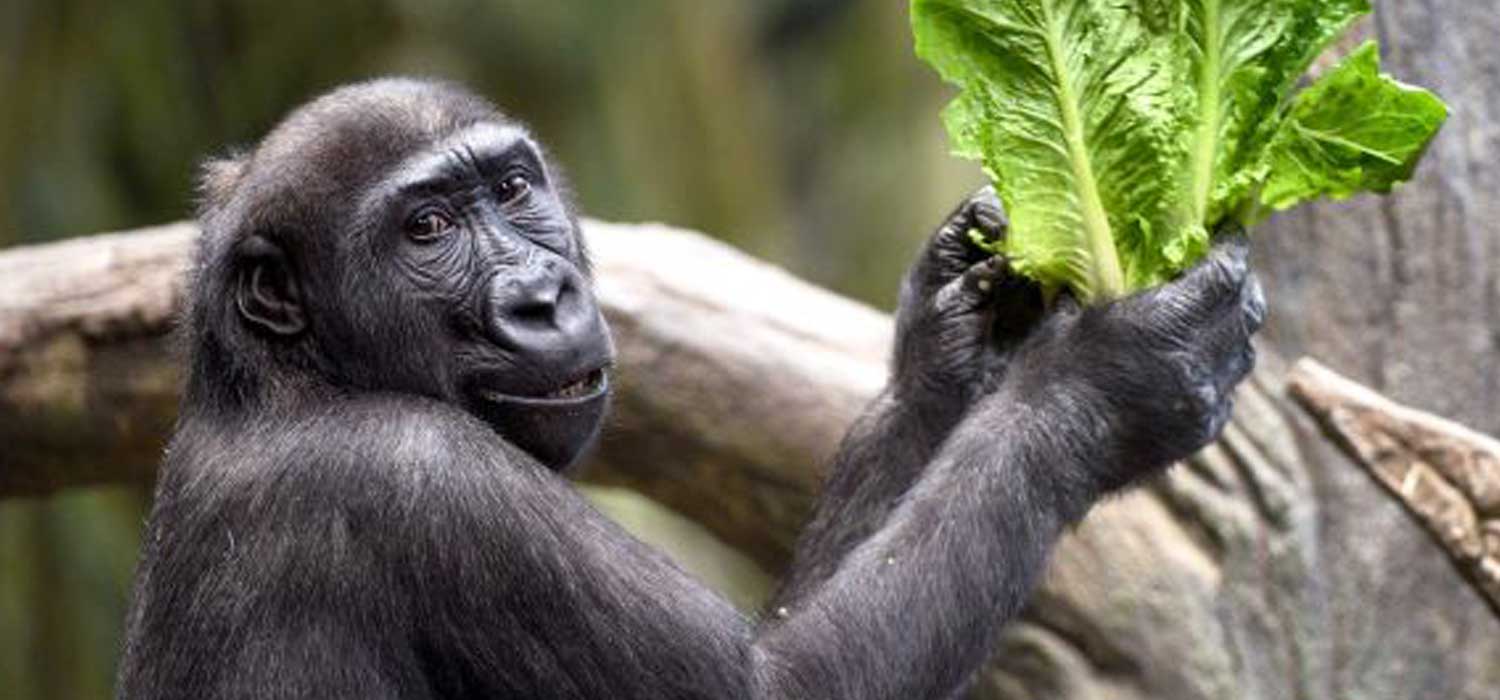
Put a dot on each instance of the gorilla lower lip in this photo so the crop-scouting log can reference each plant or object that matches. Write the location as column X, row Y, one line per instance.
column 590, row 386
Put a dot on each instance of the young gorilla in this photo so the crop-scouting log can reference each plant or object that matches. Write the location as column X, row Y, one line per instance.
column 395, row 344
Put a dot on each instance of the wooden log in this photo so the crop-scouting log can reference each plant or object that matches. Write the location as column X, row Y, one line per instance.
column 733, row 374
column 1448, row 475
column 88, row 383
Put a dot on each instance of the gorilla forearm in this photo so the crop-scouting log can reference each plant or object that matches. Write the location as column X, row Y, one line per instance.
column 964, row 547
column 944, row 332
column 883, row 454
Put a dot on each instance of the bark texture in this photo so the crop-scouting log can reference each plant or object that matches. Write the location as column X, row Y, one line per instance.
column 1448, row 475
column 1403, row 293
column 1271, row 566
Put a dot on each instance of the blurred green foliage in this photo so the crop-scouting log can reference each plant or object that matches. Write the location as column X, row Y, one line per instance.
column 800, row 130
column 65, row 567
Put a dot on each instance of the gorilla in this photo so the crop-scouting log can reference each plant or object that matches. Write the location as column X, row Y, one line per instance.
column 394, row 351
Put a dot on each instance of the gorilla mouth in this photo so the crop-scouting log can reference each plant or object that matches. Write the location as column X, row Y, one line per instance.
column 586, row 388
column 554, row 425
column 590, row 384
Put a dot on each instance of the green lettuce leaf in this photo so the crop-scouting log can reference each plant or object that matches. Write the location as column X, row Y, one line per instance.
column 1355, row 130
column 1244, row 57
column 1069, row 105
column 1120, row 132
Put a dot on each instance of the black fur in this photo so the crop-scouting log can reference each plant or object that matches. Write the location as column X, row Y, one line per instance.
column 361, row 499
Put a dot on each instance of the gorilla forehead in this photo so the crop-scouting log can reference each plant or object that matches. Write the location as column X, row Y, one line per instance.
column 458, row 150
column 345, row 140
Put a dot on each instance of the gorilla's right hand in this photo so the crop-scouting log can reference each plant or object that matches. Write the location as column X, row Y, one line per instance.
column 959, row 303
column 1126, row 388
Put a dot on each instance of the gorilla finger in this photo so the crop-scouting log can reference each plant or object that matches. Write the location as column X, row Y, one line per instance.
column 1066, row 304
column 987, row 215
column 1018, row 306
column 1219, row 419
column 1239, row 368
column 1234, row 251
column 981, row 212
column 975, row 289
column 988, row 276
column 952, row 250
column 1253, row 301
column 1209, row 286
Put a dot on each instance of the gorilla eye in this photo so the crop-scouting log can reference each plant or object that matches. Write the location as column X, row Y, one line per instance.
column 514, row 187
column 429, row 225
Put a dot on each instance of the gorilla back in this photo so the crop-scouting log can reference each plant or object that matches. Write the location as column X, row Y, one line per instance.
column 394, row 348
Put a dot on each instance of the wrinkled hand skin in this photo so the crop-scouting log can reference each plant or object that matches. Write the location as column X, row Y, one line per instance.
column 1129, row 387
column 1149, row 378
column 961, row 310
column 1110, row 393
column 1002, row 423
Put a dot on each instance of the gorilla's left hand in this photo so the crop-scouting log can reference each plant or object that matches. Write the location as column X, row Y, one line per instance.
column 1126, row 387
column 959, row 303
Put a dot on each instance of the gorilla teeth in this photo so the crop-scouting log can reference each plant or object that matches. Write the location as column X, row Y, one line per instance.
column 579, row 388
column 570, row 390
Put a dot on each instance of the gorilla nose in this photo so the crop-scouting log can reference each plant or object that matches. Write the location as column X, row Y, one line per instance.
column 545, row 308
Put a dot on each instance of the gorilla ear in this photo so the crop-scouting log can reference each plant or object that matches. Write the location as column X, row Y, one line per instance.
column 266, row 290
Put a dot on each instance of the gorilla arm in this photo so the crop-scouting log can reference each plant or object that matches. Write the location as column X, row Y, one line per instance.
column 522, row 590
column 535, row 594
column 945, row 333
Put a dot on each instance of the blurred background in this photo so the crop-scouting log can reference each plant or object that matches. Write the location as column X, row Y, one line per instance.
column 802, row 131
column 806, row 133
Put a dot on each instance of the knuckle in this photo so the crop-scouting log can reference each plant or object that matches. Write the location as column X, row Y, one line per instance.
column 985, row 196
column 1222, row 272
column 946, row 297
column 1222, row 414
column 1254, row 304
column 1234, row 244
column 1214, row 421
column 983, row 275
column 1196, row 402
column 959, row 296
column 946, row 238
column 1237, row 259
column 1244, row 363
column 1226, row 275
column 1161, row 319
column 1196, row 389
column 1203, row 411
column 989, row 215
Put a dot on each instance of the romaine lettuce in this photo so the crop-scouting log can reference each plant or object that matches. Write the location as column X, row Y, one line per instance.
column 1119, row 133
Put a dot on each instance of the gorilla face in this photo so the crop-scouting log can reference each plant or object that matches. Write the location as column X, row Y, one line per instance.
column 478, row 233
column 442, row 261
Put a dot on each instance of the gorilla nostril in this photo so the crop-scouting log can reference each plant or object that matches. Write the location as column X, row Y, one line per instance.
column 533, row 312
column 566, row 294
